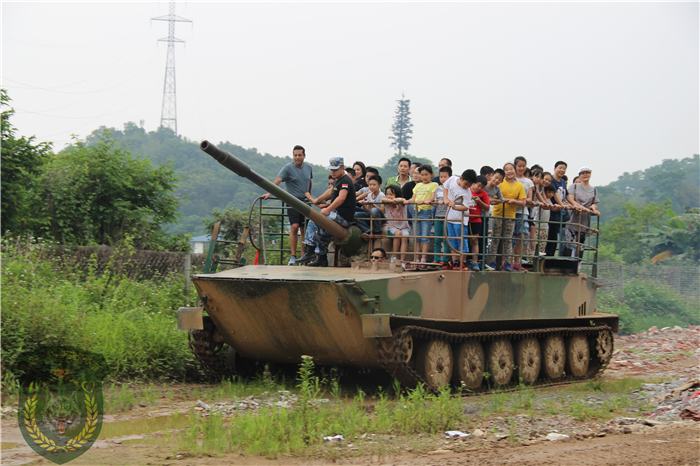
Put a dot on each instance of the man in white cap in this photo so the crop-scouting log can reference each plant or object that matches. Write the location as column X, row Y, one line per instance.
column 341, row 210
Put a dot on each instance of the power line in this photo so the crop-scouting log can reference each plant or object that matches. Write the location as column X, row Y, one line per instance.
column 168, row 114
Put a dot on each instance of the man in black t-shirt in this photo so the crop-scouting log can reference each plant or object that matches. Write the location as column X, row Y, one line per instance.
column 341, row 210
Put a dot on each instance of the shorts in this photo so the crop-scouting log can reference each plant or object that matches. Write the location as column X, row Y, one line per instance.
column 518, row 230
column 423, row 228
column 453, row 230
column 404, row 231
column 475, row 228
column 295, row 217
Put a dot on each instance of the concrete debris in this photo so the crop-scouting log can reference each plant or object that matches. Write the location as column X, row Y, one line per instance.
column 553, row 437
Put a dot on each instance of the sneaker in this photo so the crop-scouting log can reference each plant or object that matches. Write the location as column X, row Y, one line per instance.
column 507, row 268
column 519, row 268
column 292, row 260
column 475, row 267
column 492, row 266
column 393, row 260
column 447, row 266
column 488, row 267
column 422, row 266
column 409, row 267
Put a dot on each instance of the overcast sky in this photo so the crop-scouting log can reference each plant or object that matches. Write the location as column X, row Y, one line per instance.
column 609, row 85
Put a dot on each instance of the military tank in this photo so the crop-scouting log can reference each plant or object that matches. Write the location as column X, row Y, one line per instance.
column 435, row 327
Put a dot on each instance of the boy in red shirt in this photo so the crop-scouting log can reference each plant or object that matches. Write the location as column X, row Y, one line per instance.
column 481, row 198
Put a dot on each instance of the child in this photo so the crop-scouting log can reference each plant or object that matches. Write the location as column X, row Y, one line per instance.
column 547, row 192
column 398, row 228
column 504, row 216
column 534, row 211
column 522, row 227
column 423, row 195
column 481, row 199
column 458, row 197
column 370, row 209
column 363, row 192
column 487, row 172
column 442, row 247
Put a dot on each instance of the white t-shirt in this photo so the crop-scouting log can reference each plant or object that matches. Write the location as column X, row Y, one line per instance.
column 370, row 197
column 459, row 196
column 527, row 184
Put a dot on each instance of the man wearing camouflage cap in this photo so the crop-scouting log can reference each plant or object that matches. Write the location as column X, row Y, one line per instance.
column 341, row 210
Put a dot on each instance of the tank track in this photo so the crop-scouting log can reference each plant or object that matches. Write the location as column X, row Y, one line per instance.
column 206, row 350
column 392, row 351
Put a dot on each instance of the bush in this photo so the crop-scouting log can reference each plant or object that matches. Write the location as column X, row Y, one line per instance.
column 647, row 304
column 133, row 324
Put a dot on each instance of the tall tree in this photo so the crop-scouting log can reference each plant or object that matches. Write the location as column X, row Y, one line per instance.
column 99, row 193
column 22, row 160
column 402, row 128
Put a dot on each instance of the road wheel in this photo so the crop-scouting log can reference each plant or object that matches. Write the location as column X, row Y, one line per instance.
column 500, row 361
column 470, row 365
column 577, row 355
column 434, row 363
column 528, row 359
column 554, row 357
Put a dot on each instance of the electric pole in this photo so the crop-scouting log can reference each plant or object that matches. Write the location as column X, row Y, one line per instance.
column 168, row 114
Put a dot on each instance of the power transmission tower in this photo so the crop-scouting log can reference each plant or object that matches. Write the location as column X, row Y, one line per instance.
column 168, row 114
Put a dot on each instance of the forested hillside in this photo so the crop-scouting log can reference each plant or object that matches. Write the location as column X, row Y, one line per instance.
column 674, row 180
column 206, row 185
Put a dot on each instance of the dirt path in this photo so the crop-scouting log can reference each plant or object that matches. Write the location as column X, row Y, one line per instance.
column 670, row 444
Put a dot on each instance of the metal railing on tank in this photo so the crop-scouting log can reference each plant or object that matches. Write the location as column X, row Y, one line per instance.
column 581, row 246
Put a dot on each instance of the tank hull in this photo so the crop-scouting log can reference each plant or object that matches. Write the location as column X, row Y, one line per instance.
column 275, row 313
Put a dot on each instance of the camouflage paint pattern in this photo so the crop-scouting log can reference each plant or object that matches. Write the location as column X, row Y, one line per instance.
column 277, row 313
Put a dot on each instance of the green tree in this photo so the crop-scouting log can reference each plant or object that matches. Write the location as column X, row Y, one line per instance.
column 624, row 234
column 98, row 193
column 680, row 236
column 22, row 161
column 402, row 129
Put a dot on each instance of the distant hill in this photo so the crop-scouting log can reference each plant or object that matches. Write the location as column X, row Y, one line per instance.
column 675, row 180
column 207, row 185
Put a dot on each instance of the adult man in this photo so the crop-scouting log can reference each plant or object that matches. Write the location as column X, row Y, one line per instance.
column 341, row 210
column 378, row 255
column 442, row 163
column 403, row 175
column 297, row 179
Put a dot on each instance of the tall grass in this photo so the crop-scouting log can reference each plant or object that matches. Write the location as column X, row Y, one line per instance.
column 276, row 431
column 132, row 324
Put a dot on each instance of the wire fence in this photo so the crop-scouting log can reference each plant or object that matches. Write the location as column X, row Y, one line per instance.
column 684, row 280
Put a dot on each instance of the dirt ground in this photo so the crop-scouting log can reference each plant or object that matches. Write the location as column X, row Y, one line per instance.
column 644, row 355
column 671, row 444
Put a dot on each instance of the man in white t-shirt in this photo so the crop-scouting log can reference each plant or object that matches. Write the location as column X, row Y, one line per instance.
column 458, row 197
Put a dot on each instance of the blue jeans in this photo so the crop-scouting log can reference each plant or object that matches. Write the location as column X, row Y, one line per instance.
column 364, row 224
column 454, row 230
column 441, row 245
column 424, row 225
column 318, row 237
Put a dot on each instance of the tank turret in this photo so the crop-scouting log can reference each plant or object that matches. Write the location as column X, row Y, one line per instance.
column 348, row 239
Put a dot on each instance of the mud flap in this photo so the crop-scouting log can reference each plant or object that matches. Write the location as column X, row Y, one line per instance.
column 190, row 318
column 376, row 325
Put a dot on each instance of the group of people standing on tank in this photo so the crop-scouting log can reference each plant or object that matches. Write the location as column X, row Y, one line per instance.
column 513, row 205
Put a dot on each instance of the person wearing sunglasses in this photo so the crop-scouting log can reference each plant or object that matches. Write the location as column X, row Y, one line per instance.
column 378, row 255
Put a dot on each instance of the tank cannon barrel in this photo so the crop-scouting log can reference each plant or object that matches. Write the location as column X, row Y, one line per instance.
column 241, row 168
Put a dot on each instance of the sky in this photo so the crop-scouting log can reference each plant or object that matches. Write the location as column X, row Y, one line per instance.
column 614, row 86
